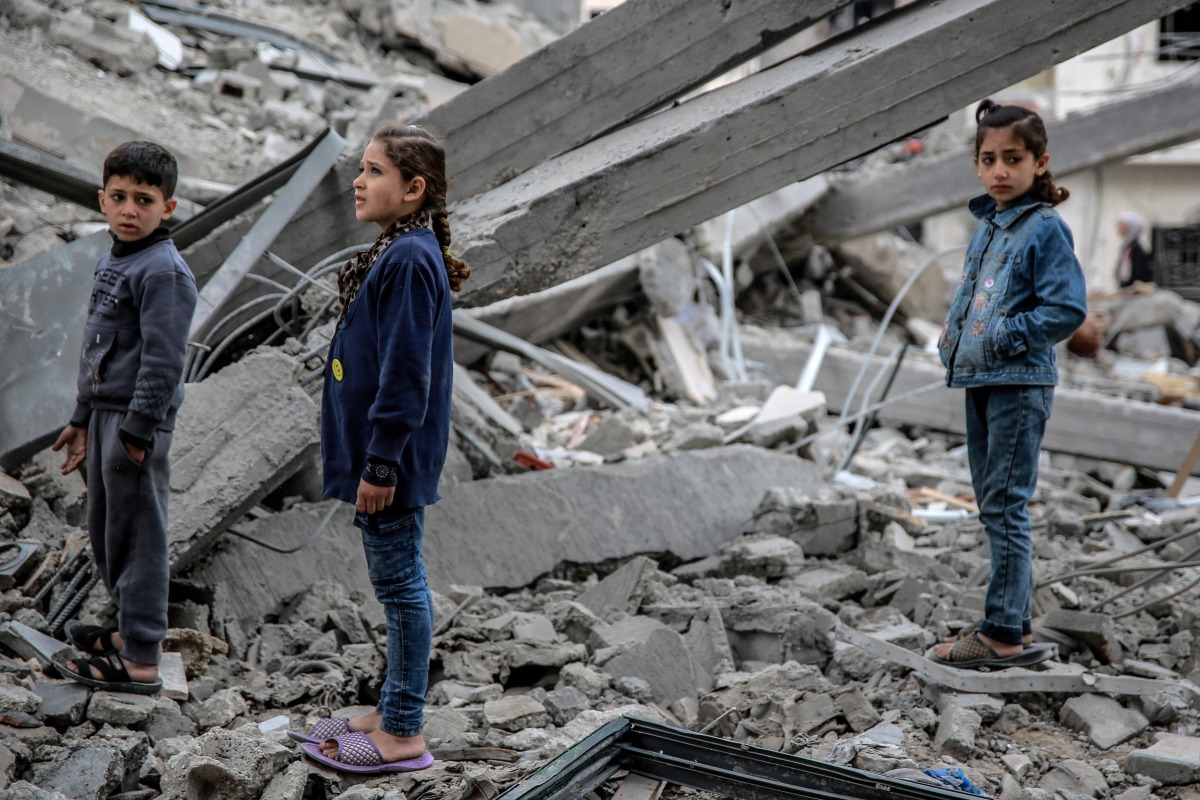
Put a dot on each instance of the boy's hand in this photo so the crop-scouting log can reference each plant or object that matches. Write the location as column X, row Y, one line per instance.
column 136, row 453
column 372, row 499
column 75, row 440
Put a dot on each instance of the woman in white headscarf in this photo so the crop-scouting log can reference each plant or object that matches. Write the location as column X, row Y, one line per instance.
column 1134, row 263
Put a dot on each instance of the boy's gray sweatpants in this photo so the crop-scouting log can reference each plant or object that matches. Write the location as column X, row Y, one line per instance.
column 127, row 524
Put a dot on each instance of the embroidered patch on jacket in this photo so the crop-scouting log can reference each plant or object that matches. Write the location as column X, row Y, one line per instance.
column 977, row 328
column 980, row 302
column 989, row 283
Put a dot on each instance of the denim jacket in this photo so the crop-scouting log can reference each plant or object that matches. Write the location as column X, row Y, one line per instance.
column 1022, row 292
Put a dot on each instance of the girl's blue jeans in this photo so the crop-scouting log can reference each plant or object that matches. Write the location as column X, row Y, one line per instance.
column 393, row 546
column 1005, row 425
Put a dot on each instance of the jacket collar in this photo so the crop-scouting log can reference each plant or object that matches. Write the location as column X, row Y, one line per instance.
column 121, row 249
column 984, row 207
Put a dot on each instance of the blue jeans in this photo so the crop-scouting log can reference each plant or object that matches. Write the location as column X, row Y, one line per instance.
column 393, row 546
column 1005, row 425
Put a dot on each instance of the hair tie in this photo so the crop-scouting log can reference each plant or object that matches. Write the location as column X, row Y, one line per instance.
column 446, row 253
column 990, row 108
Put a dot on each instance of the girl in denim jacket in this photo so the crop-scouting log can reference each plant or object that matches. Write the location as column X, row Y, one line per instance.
column 1022, row 292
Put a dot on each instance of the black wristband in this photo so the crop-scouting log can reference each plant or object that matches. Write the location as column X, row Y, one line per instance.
column 380, row 472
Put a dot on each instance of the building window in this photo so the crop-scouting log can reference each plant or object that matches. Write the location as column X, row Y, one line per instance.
column 1179, row 35
column 1177, row 260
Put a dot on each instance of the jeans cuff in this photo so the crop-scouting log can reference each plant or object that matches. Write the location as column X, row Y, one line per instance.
column 400, row 730
column 1001, row 633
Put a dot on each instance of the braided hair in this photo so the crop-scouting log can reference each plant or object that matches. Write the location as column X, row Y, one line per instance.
column 1027, row 126
column 416, row 152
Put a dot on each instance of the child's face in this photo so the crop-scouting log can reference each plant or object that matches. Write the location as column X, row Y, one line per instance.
column 1006, row 167
column 134, row 209
column 381, row 193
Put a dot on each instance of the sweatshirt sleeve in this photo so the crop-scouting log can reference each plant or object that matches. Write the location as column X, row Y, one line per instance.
column 1060, row 287
column 407, row 305
column 166, row 305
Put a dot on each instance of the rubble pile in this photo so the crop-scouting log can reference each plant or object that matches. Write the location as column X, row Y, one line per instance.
column 645, row 511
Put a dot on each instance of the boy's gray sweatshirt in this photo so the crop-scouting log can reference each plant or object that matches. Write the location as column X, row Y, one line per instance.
column 135, row 342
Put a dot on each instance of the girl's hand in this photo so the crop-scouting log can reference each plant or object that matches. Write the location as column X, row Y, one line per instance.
column 75, row 440
column 136, row 453
column 372, row 499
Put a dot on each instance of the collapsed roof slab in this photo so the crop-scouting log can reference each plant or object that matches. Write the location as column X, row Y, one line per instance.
column 508, row 531
column 1150, row 121
column 674, row 169
column 625, row 63
column 1083, row 423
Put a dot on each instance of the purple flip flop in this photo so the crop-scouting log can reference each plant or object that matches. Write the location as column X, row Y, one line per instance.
column 358, row 754
column 324, row 728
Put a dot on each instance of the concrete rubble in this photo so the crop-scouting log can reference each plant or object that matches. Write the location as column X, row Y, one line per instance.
column 677, row 563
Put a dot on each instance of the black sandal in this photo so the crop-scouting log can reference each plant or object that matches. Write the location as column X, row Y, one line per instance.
column 86, row 636
column 116, row 677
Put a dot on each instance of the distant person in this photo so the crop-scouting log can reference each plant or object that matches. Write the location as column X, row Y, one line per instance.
column 1134, row 263
column 385, row 427
column 1022, row 292
column 130, row 388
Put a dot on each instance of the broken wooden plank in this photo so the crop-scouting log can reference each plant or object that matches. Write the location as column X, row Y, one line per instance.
column 619, row 66
column 639, row 787
column 1083, row 423
column 1150, row 121
column 674, row 169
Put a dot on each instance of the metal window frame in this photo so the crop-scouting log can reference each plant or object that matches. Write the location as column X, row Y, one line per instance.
column 708, row 763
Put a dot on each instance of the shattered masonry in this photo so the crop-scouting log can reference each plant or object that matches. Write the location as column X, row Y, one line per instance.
column 641, row 515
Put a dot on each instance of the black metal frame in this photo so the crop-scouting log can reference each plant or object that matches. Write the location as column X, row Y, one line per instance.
column 707, row 763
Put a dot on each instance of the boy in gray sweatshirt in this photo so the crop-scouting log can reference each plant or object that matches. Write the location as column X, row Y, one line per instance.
column 130, row 388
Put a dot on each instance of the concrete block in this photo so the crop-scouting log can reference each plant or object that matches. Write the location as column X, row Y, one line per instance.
column 696, row 436
column 822, row 527
column 89, row 771
column 620, row 591
column 1073, row 777
column 857, row 709
column 606, row 512
column 224, row 763
column 708, row 642
column 611, row 436
column 1017, row 764
column 645, row 648
column 515, row 712
column 237, row 86
column 119, row 708
column 240, row 433
column 1106, row 722
column 812, row 711
column 957, row 728
column 775, row 632
column 167, row 721
column 1097, row 631
column 592, row 682
column 63, row 703
column 565, row 703
column 1172, row 759
column 829, row 580
column 18, row 698
column 221, row 709
column 442, row 725
column 111, row 47
column 763, row 555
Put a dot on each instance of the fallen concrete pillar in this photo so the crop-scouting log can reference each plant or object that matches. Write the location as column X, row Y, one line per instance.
column 1083, row 423
column 674, row 169
column 240, row 434
column 508, row 531
column 1151, row 120
column 625, row 63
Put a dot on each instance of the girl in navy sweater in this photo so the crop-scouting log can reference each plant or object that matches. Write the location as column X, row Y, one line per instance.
column 385, row 426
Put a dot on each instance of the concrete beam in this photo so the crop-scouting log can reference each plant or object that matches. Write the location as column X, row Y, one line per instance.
column 918, row 189
column 685, row 165
column 617, row 67
column 1083, row 423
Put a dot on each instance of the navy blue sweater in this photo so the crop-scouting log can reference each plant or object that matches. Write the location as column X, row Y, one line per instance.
column 389, row 375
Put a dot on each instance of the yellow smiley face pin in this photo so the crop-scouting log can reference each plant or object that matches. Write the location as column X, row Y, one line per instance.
column 337, row 370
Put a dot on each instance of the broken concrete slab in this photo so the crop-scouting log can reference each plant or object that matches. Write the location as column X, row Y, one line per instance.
column 1074, row 777
column 63, row 702
column 645, row 648
column 1145, row 121
column 821, row 525
column 239, row 434
column 1097, row 631
column 1084, row 423
column 30, row 643
column 621, row 591
column 515, row 712
column 119, row 708
column 594, row 514
column 88, row 771
column 1103, row 720
column 956, row 732
column 227, row 764
column 1173, row 760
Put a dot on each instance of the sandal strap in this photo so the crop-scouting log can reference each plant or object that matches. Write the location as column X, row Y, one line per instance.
column 111, row 668
column 356, row 750
column 86, row 636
